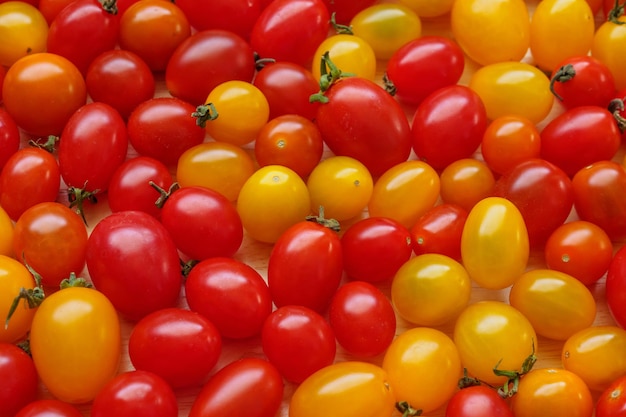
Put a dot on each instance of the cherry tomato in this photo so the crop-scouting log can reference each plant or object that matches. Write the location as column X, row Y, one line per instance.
column 439, row 230
column 341, row 185
column 163, row 128
column 349, row 389
column 362, row 319
column 489, row 263
column 429, row 8
column 19, row 379
column 610, row 37
column 6, row 233
column 556, row 304
column 134, row 393
column 50, row 8
column 405, row 192
column 615, row 285
column 75, row 342
column 350, row 53
column 345, row 10
column 49, row 80
column 178, row 345
column 13, row 277
column 580, row 249
column 490, row 334
column 9, row 134
column 298, row 341
column 430, row 289
column 448, row 125
column 231, row 294
column 477, row 401
column 24, row 31
column 305, row 266
column 611, row 400
column 374, row 248
column 491, row 32
column 249, row 386
column 465, row 182
column 49, row 408
column 516, row 88
column 271, row 200
column 423, row 366
column 133, row 261
column 234, row 16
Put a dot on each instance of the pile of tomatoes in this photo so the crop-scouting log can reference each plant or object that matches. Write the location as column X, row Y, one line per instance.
column 312, row 208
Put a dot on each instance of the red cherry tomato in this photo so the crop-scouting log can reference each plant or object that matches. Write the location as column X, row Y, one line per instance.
column 612, row 401
column 478, row 401
column 237, row 16
column 19, row 379
column 345, row 10
column 49, row 408
column 439, row 230
column 9, row 133
column 616, row 287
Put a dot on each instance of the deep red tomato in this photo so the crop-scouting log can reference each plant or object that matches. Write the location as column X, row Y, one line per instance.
column 345, row 10
column 51, row 8
column 237, row 16
column 439, row 230
column 298, row 341
column 202, row 222
column 612, row 401
column 477, row 401
column 9, row 135
column 130, row 189
column 287, row 88
column 30, row 176
column 163, row 128
column 121, row 79
column 178, row 345
column 362, row 318
column 231, row 294
column 248, row 386
column 94, row 144
column 580, row 136
column 49, row 408
column 132, row 259
column 305, row 266
column 599, row 196
column 435, row 60
column 616, row 287
column 135, row 393
column 83, row 30
column 537, row 180
column 205, row 60
column 448, row 125
column 290, row 30
column 374, row 248
column 19, row 379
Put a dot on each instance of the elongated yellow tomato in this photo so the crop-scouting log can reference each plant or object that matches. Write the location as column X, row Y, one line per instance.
column 14, row 277
column 429, row 8
column 424, row 366
column 596, row 354
column 6, row 233
column 271, row 200
column 75, row 342
column 608, row 45
column 350, row 53
column 557, row 304
column 494, row 243
column 430, row 289
column 491, row 31
column 560, row 29
column 490, row 333
column 344, row 389
column 404, row 192
column 515, row 88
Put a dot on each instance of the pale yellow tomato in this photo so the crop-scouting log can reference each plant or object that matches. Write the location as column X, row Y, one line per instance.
column 349, row 53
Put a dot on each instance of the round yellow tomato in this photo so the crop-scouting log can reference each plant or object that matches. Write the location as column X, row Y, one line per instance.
column 557, row 304
column 405, row 192
column 349, row 53
column 220, row 166
column 494, row 243
column 429, row 8
column 23, row 30
column 515, row 88
column 14, row 277
column 430, row 289
column 342, row 186
column 596, row 354
column 6, row 233
column 490, row 334
column 271, row 200
column 347, row 389
column 608, row 43
column 424, row 367
column 491, row 31
column 465, row 182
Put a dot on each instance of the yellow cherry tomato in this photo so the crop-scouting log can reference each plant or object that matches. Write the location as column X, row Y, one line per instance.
column 242, row 110
column 429, row 8
column 514, row 88
column 423, row 366
column 386, row 27
column 405, row 192
column 494, row 243
column 491, row 31
column 557, row 304
column 350, row 53
column 465, row 182
column 6, row 233
column 560, row 29
column 347, row 389
column 342, row 185
column 596, row 354
column 23, row 30
column 271, row 200
column 75, row 342
column 490, row 334
column 430, row 289
column 220, row 166
column 608, row 43
column 14, row 277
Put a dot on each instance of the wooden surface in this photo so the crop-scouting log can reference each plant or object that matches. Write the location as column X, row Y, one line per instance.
column 256, row 255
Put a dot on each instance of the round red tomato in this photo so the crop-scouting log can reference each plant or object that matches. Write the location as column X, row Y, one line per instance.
column 616, row 287
column 612, row 401
column 19, row 379
column 49, row 408
column 478, row 401
column 439, row 230
column 237, row 16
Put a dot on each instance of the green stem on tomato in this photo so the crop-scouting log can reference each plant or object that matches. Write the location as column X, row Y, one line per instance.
column 563, row 74
column 205, row 113
column 78, row 196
